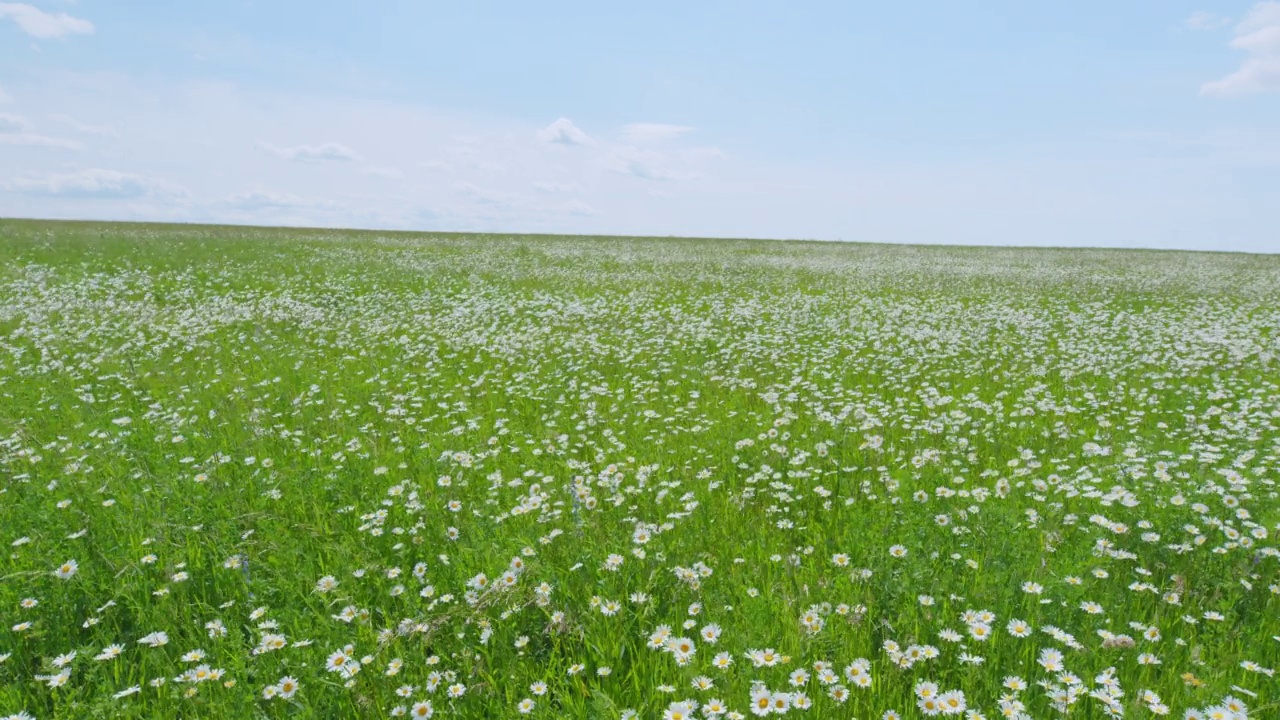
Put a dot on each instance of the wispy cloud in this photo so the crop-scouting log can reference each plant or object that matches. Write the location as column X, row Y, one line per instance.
column 37, row 140
column 564, row 132
column 644, row 133
column 328, row 152
column 42, row 25
column 263, row 199
column 94, row 183
column 642, row 164
column 660, row 165
column 1206, row 21
column 10, row 123
column 556, row 187
column 15, row 130
column 486, row 196
column 84, row 128
column 1258, row 35
column 383, row 171
column 494, row 204
column 578, row 208
column 273, row 201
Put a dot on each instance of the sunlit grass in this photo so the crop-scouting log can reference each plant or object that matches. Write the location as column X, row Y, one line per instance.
column 287, row 473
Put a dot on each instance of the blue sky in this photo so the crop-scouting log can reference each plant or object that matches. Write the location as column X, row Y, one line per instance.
column 1138, row 124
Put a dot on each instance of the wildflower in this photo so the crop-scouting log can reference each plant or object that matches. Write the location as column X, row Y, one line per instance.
column 155, row 639
column 761, row 702
column 1018, row 628
column 337, row 661
column 109, row 652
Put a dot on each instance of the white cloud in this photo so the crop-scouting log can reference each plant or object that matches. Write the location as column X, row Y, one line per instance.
column 42, row 25
column 84, row 128
column 205, row 140
column 645, row 133
column 651, row 164
column 705, row 153
column 564, row 132
column 496, row 206
column 390, row 173
column 1206, row 21
column 556, row 187
column 94, row 183
column 579, row 208
column 485, row 196
column 14, row 131
column 1258, row 35
column 10, row 123
column 330, row 151
column 36, row 140
column 644, row 164
column 265, row 199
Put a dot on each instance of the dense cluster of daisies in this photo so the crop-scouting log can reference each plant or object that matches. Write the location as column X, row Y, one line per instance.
column 264, row 474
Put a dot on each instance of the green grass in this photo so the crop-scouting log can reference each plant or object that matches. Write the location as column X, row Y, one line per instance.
column 210, row 420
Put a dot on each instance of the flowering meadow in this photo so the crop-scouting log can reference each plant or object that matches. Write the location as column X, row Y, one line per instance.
column 250, row 473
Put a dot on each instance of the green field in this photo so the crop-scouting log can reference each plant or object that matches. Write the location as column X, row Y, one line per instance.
column 305, row 473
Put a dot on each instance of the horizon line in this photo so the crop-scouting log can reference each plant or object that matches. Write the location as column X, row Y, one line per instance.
column 608, row 236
